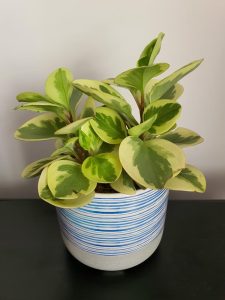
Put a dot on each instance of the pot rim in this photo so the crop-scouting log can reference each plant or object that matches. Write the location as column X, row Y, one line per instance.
column 120, row 195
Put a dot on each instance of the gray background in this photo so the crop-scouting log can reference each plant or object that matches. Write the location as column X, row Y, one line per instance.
column 98, row 39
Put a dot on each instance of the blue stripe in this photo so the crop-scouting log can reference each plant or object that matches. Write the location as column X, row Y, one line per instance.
column 115, row 226
column 100, row 226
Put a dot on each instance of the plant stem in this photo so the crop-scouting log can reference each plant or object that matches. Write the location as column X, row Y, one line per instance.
column 81, row 154
column 70, row 117
column 141, row 108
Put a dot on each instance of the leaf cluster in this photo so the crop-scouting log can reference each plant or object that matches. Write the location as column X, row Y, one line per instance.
column 104, row 144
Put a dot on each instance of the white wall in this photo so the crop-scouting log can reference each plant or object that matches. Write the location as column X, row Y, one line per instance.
column 98, row 39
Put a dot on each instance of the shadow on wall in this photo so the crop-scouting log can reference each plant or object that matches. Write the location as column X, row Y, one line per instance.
column 13, row 186
column 25, row 190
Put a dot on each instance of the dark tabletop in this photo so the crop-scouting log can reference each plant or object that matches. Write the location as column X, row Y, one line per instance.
column 189, row 263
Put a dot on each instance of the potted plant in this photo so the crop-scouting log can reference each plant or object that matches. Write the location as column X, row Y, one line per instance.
column 110, row 174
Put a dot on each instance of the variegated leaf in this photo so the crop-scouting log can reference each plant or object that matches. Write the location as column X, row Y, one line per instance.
column 40, row 106
column 62, row 150
column 167, row 111
column 88, row 139
column 72, row 128
column 151, row 163
column 189, row 179
column 59, row 142
column 67, row 148
column 59, row 88
column 161, row 87
column 183, row 137
column 174, row 92
column 107, row 148
column 66, row 178
column 32, row 97
column 75, row 99
column 124, row 184
column 108, row 125
column 45, row 194
column 107, row 95
column 36, row 167
column 109, row 81
column 42, row 127
column 103, row 168
column 138, row 77
column 143, row 127
column 138, row 96
column 69, row 197
column 172, row 128
column 150, row 52
column 88, row 109
column 71, row 142
column 148, row 88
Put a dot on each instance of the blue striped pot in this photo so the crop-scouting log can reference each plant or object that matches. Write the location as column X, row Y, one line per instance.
column 115, row 231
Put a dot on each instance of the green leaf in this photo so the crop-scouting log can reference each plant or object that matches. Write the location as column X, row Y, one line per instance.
column 167, row 111
column 138, row 96
column 183, row 137
column 106, row 148
column 161, row 87
column 109, row 81
column 32, row 97
column 71, row 142
column 74, row 102
column 107, row 95
column 150, row 52
column 72, row 128
column 59, row 142
column 143, row 127
column 88, row 139
column 65, row 179
column 67, row 148
column 62, row 150
column 151, row 163
column 88, row 109
column 148, row 87
column 108, row 125
column 59, row 88
column 103, row 168
column 42, row 127
column 45, row 194
column 189, row 179
column 138, row 77
column 174, row 92
column 36, row 167
column 40, row 106
column 124, row 184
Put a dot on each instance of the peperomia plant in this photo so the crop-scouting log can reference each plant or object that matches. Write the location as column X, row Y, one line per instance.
column 104, row 148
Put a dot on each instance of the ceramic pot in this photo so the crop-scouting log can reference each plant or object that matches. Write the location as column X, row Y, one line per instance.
column 115, row 231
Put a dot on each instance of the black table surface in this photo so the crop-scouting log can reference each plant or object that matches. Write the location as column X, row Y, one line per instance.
column 189, row 263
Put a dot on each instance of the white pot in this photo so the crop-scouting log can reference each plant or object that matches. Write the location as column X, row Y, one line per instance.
column 115, row 231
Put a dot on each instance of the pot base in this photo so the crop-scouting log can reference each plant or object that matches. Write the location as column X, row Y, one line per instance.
column 113, row 263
